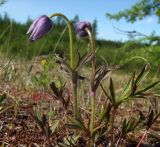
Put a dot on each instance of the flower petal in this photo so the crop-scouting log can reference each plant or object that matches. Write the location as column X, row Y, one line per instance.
column 80, row 28
column 34, row 24
column 43, row 27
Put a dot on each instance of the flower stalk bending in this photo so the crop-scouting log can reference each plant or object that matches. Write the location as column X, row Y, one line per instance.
column 93, row 89
column 70, row 36
column 42, row 26
column 74, row 76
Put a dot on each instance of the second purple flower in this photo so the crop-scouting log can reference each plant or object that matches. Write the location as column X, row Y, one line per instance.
column 80, row 28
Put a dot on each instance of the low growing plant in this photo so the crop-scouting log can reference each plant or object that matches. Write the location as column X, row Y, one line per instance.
column 98, row 128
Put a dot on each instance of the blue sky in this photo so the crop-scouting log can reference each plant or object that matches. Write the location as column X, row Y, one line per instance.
column 88, row 10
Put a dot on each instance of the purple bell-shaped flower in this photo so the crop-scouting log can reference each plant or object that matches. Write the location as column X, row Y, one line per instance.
column 40, row 27
column 80, row 28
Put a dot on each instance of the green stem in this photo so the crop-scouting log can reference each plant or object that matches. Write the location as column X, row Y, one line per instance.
column 93, row 90
column 75, row 107
column 92, row 118
column 91, row 39
column 74, row 76
column 93, row 111
column 70, row 36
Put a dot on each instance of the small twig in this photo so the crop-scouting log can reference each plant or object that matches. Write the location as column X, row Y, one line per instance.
column 4, row 142
column 144, row 135
column 134, row 32
column 6, row 109
column 7, row 63
column 118, row 141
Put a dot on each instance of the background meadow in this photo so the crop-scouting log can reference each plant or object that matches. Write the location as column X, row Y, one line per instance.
column 35, row 92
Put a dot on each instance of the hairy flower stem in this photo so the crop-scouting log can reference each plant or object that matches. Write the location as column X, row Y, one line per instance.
column 112, row 127
column 75, row 107
column 93, row 90
column 70, row 36
column 144, row 135
column 74, row 78
column 92, row 117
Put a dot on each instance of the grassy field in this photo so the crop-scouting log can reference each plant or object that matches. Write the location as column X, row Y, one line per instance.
column 116, row 106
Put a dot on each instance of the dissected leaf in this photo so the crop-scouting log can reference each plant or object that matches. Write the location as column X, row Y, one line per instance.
column 64, row 65
column 141, row 116
column 106, row 94
column 44, row 119
column 75, row 123
column 129, row 125
column 141, row 75
column 105, row 112
column 102, row 113
column 102, row 73
column 156, row 117
column 54, row 126
column 127, row 88
column 96, row 130
column 60, row 144
column 150, row 118
column 55, row 90
column 148, row 87
column 86, row 58
column 71, row 141
column 72, row 126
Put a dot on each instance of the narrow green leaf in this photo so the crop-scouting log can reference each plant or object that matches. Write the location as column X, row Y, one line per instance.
column 127, row 88
column 102, row 113
column 55, row 125
column 72, row 126
column 128, row 125
column 112, row 91
column 141, row 75
column 106, row 94
column 75, row 122
column 133, row 77
column 62, row 145
column 124, row 125
column 150, row 119
column 86, row 58
column 44, row 119
column 2, row 98
column 156, row 117
column 148, row 87
column 141, row 116
column 95, row 130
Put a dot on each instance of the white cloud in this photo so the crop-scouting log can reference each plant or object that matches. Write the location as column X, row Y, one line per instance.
column 150, row 20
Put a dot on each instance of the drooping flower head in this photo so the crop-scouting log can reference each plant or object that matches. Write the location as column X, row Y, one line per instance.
column 80, row 28
column 40, row 27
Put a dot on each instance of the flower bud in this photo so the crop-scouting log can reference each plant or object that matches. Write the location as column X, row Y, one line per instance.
column 40, row 27
column 80, row 28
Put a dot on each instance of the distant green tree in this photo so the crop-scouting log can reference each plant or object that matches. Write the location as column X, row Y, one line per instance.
column 59, row 21
column 6, row 18
column 2, row 2
column 76, row 19
column 139, row 11
column 95, row 28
